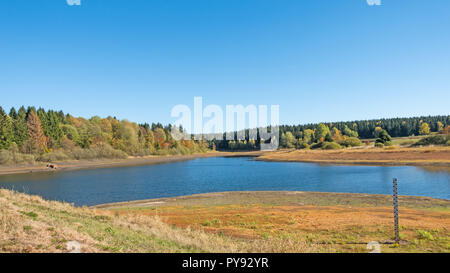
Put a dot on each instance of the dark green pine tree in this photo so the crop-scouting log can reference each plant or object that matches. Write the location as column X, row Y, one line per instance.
column 54, row 130
column 6, row 130
column 20, row 126
column 13, row 113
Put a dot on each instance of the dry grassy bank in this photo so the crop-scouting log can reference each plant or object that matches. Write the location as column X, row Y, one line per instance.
column 424, row 156
column 31, row 224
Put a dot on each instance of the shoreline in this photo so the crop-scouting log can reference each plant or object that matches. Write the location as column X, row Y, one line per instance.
column 420, row 157
column 74, row 165
column 273, row 197
column 379, row 163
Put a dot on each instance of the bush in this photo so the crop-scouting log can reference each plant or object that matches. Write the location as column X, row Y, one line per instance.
column 4, row 157
column 79, row 153
column 384, row 137
column 100, row 150
column 432, row 140
column 352, row 142
column 53, row 156
column 103, row 150
column 379, row 145
column 12, row 157
column 317, row 145
column 408, row 142
column 302, row 145
column 331, row 146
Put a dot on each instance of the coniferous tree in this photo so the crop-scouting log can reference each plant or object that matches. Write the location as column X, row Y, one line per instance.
column 6, row 130
column 20, row 126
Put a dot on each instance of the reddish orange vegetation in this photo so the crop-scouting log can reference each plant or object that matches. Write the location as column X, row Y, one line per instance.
column 254, row 221
column 426, row 155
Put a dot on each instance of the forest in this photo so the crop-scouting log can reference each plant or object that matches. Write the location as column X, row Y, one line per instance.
column 29, row 134
column 338, row 135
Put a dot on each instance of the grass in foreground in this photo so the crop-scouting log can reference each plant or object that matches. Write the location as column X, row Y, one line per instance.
column 225, row 222
column 31, row 224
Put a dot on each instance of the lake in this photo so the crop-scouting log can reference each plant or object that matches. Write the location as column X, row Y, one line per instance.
column 205, row 175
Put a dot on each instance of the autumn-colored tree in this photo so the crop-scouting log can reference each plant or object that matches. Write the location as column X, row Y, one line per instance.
column 321, row 132
column 37, row 139
column 308, row 136
column 424, row 129
column 440, row 126
column 349, row 132
column 287, row 140
column 336, row 135
column 160, row 137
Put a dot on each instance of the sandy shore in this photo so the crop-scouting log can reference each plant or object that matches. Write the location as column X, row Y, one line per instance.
column 113, row 163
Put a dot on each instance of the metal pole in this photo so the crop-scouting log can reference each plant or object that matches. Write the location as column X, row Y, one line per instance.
column 397, row 233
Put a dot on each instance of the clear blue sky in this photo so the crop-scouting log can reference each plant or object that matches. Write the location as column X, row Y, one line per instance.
column 324, row 60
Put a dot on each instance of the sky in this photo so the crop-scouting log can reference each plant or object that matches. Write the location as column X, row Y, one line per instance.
column 319, row 60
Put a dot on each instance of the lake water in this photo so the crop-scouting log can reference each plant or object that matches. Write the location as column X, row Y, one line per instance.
column 92, row 187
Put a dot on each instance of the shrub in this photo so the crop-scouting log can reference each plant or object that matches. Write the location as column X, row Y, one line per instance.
column 408, row 142
column 331, row 146
column 79, row 153
column 352, row 142
column 317, row 145
column 383, row 137
column 103, row 150
column 11, row 157
column 379, row 145
column 432, row 140
column 302, row 145
column 4, row 157
column 53, row 156
column 24, row 158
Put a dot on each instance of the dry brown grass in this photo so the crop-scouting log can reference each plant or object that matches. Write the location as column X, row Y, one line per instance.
column 300, row 221
column 437, row 156
column 31, row 224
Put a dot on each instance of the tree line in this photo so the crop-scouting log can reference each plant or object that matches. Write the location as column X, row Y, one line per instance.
column 30, row 134
column 336, row 135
